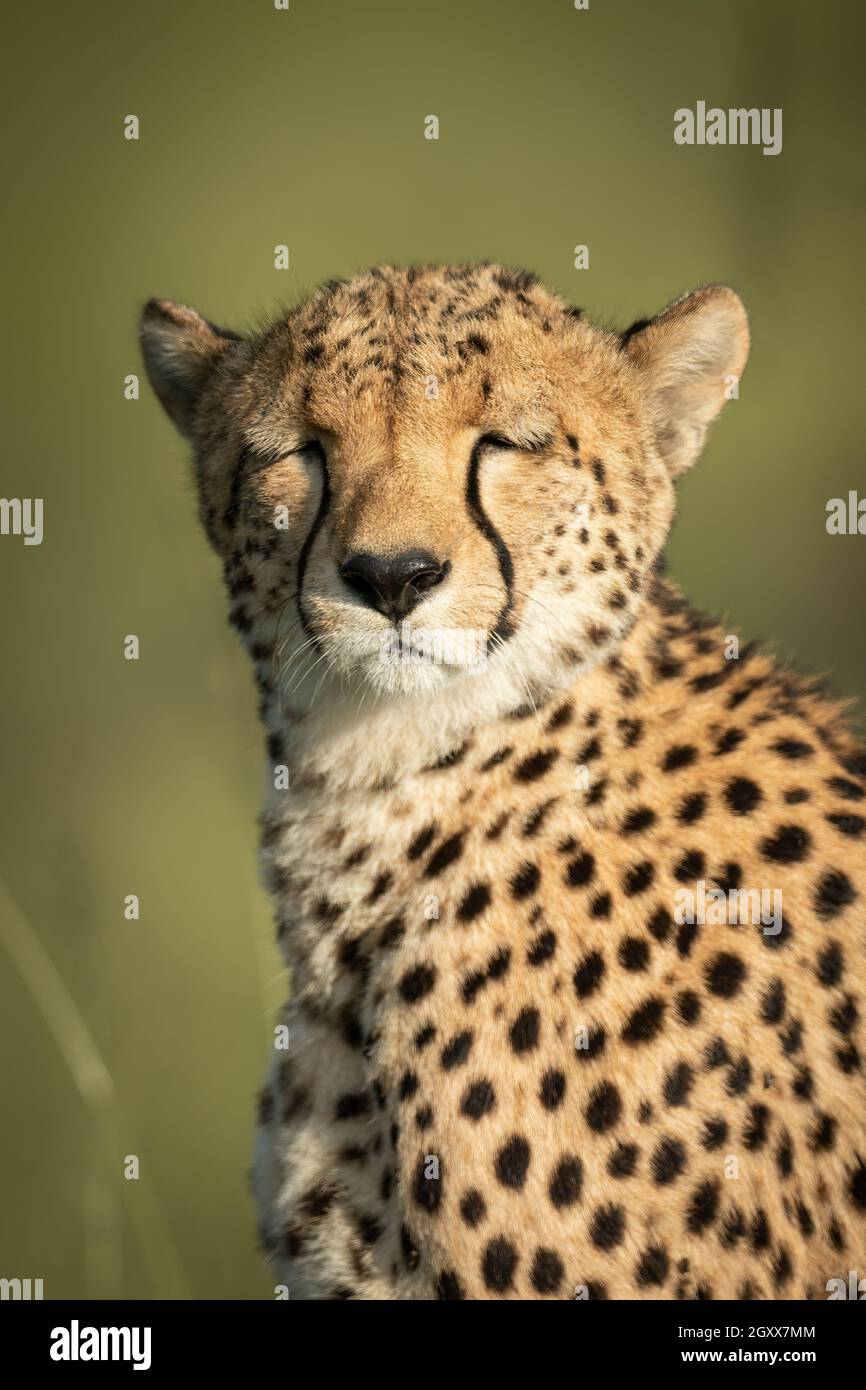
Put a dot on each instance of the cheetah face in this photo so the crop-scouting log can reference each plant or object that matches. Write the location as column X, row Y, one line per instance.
column 424, row 478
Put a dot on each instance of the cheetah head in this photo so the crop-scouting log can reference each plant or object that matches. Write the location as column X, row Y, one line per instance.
column 433, row 478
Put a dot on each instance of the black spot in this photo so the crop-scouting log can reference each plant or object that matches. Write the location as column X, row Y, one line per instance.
column 689, row 867
column 703, row 1206
column 789, row 845
column 318, row 1201
column 849, row 790
column 680, row 755
column 588, row 974
column 728, row 741
column 536, row 765
column 773, row 1002
column 450, row 850
column 456, row 1051
column 422, row 842
column 352, row 1105
column 678, row 1084
column 739, row 1077
column 478, row 1099
column 523, row 1034
column 639, row 819
column 552, row 1089
column 417, row 982
column 847, row 1058
column 830, row 965
column 844, row 1016
column 716, row 1054
column 560, row 717
column 512, row 1162
column 760, row 1233
column 638, row 878
column 536, row 818
column 547, row 1271
column 566, row 1182
column 498, row 1264
column 588, row 752
column 792, row 1037
column 392, row 932
column 834, row 893
column 495, row 759
column 715, row 1132
column 475, row 901
column 408, row 1085
column 645, row 1022
column 472, row 1207
column 742, row 796
column 633, row 953
column 847, row 824
column 692, row 808
column 580, row 871
column 604, row 1108
column 733, row 1227
column 632, row 731
column 792, row 748
column 542, row 948
column 857, row 1187
column 448, row 1286
column 660, row 923
column 728, row 877
column 668, row 1161
column 623, row 1160
column 653, row 1267
column 427, row 1190
column 755, row 1131
column 795, row 796
column 785, row 1155
column 525, row 881
column 725, row 974
column 782, row 1269
column 804, row 1219
column 688, row 1007
column 607, row 1226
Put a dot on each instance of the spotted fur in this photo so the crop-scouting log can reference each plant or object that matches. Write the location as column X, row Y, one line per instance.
column 512, row 1072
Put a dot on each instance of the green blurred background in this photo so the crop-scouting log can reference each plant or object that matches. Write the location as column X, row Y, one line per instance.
column 305, row 127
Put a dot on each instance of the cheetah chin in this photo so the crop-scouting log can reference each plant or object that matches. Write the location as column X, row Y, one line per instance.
column 520, row 803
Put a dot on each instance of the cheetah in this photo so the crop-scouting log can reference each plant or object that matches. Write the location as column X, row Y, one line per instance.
column 517, row 1066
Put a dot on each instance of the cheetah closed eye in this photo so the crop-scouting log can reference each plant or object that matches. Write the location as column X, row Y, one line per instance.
column 504, row 757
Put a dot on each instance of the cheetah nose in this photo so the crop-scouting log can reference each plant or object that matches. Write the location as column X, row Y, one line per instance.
column 393, row 584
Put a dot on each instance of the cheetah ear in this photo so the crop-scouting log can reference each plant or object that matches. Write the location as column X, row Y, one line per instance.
column 180, row 350
column 690, row 356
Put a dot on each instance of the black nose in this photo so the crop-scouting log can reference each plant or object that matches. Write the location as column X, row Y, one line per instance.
column 393, row 584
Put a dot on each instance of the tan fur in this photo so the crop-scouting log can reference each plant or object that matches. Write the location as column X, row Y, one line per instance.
column 475, row 869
